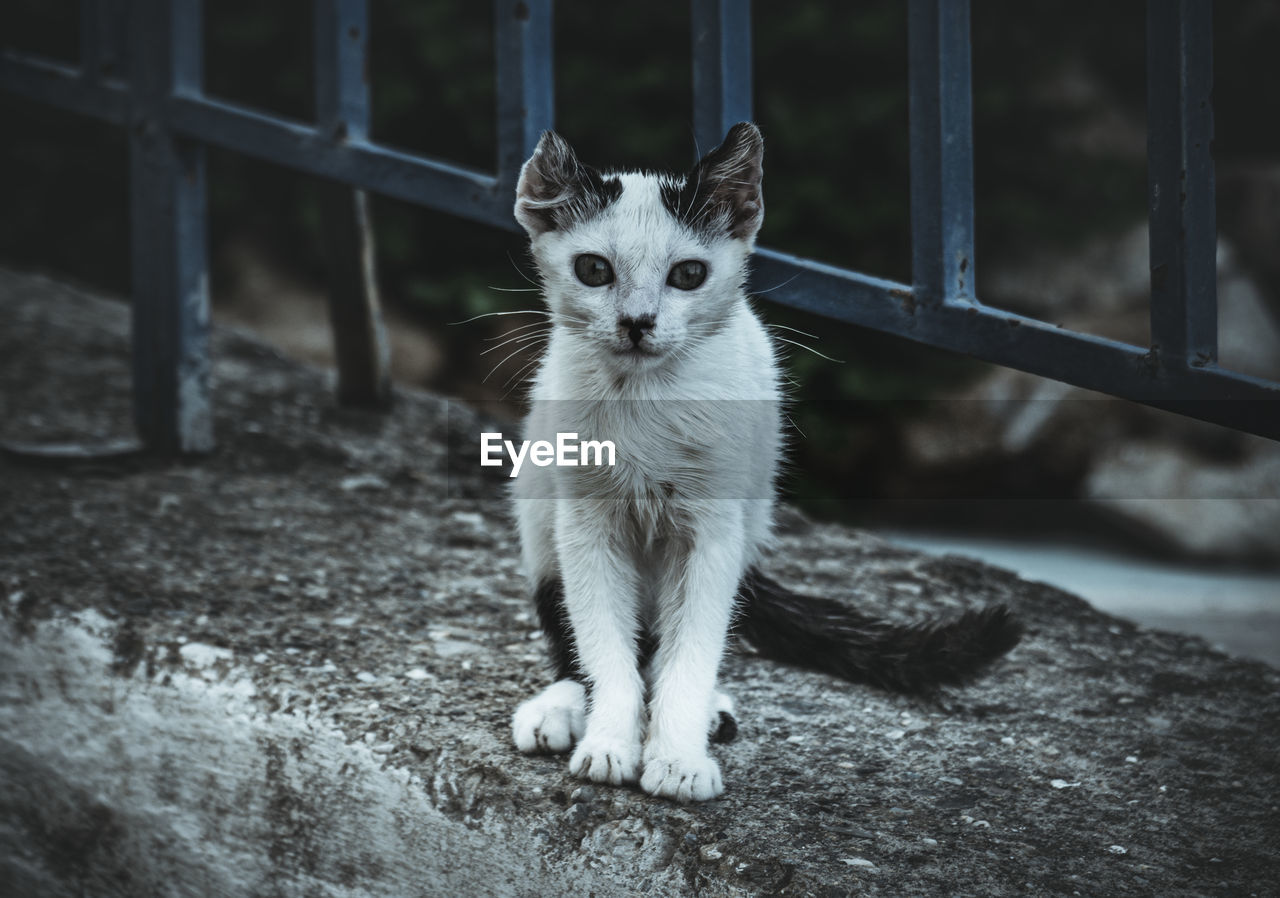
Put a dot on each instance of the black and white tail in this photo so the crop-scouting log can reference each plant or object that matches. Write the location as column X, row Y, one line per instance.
column 824, row 635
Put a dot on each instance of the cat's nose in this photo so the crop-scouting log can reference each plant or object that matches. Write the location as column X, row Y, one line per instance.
column 637, row 328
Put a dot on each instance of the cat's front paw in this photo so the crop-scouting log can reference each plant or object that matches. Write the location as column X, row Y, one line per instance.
column 682, row 779
column 552, row 720
column 606, row 761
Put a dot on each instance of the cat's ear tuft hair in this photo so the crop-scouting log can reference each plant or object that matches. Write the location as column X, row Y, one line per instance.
column 723, row 191
column 555, row 190
column 734, row 170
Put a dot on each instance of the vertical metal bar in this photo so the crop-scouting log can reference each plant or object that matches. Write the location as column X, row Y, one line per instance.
column 172, row 402
column 941, row 123
column 102, row 38
column 1180, row 181
column 721, row 69
column 341, row 73
column 360, row 347
column 525, row 85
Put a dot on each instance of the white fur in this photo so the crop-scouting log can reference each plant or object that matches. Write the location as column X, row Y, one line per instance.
column 552, row 720
column 663, row 538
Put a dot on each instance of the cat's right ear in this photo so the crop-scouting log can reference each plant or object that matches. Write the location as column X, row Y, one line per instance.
column 722, row 194
column 550, row 183
column 730, row 175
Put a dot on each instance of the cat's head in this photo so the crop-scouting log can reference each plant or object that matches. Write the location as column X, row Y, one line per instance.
column 643, row 266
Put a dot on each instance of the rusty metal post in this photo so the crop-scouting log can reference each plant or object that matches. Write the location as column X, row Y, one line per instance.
column 342, row 112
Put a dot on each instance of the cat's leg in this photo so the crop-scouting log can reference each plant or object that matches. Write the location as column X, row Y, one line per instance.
column 723, row 724
column 601, row 598
column 692, row 624
column 553, row 719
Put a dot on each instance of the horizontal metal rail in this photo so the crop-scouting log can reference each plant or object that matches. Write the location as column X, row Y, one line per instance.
column 941, row 309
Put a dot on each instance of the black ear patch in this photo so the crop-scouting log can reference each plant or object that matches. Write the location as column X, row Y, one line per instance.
column 556, row 191
column 722, row 194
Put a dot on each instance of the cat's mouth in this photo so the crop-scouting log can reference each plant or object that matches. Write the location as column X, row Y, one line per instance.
column 639, row 352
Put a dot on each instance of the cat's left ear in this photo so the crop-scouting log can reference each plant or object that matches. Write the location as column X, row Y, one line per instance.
column 556, row 191
column 727, row 180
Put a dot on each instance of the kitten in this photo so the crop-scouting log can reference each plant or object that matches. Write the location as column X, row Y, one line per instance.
column 638, row 569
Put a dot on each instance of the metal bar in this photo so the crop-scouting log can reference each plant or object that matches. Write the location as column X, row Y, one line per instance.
column 941, row 123
column 172, row 402
column 1180, row 182
column 170, row 117
column 360, row 345
column 113, row 38
column 60, row 85
column 341, row 69
column 103, row 24
column 342, row 114
column 427, row 182
column 1094, row 363
column 295, row 145
column 186, row 57
column 721, row 69
column 525, row 84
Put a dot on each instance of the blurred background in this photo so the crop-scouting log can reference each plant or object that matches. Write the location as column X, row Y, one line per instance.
column 1153, row 516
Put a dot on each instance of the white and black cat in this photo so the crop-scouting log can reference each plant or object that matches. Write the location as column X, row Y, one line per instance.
column 640, row 569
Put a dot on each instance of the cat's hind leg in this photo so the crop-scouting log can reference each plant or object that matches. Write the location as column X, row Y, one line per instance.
column 724, row 722
column 553, row 720
column 722, row 726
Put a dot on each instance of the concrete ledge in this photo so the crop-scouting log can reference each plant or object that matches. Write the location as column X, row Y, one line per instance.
column 183, row 784
column 288, row 669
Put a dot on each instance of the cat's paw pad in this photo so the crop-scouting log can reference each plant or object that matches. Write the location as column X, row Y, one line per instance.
column 682, row 779
column 552, row 720
column 606, row 761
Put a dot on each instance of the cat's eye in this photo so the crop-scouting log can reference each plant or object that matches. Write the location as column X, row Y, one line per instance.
column 593, row 270
column 687, row 275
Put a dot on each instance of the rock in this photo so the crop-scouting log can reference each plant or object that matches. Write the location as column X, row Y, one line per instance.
column 1249, row 215
column 1172, row 483
column 127, row 767
column 259, row 295
column 367, row 482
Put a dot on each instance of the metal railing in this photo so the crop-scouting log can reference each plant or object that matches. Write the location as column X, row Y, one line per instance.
column 171, row 120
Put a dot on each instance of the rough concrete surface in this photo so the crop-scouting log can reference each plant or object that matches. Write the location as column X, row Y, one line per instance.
column 288, row 668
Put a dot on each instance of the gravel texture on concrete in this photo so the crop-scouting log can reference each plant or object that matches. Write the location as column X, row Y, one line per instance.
column 288, row 668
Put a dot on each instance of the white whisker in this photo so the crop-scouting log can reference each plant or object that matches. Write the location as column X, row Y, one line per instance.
column 518, row 377
column 521, row 273
column 514, row 353
column 491, row 314
column 515, row 330
column 795, row 330
column 810, row 349
column 524, row 338
column 776, row 287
